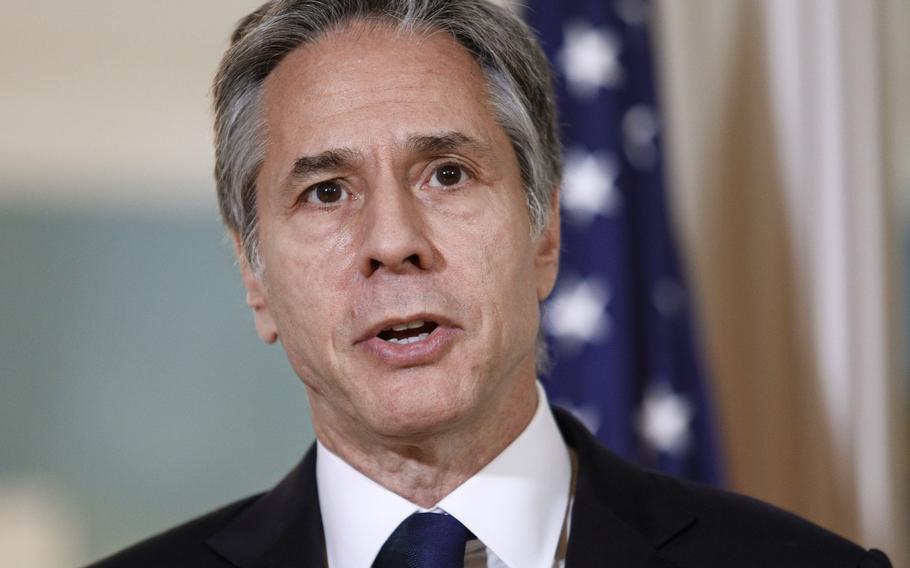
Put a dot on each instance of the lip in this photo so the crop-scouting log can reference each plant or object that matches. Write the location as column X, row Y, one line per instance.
column 412, row 354
column 374, row 330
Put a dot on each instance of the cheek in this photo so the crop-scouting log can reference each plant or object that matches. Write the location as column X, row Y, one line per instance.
column 306, row 287
column 313, row 258
column 504, row 278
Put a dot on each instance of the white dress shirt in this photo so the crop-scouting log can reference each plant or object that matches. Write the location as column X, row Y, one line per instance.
column 516, row 505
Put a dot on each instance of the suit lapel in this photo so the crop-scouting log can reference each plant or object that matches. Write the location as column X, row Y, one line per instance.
column 282, row 529
column 598, row 539
column 621, row 516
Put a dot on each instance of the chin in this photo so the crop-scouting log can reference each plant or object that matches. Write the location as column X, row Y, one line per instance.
column 416, row 411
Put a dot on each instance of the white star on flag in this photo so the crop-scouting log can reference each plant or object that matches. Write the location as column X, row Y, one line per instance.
column 589, row 186
column 590, row 59
column 577, row 313
column 587, row 414
column 640, row 129
column 664, row 420
column 632, row 12
column 668, row 296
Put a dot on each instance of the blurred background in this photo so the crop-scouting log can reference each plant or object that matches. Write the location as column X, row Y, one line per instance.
column 130, row 371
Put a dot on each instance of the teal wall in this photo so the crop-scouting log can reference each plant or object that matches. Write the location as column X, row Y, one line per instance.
column 131, row 377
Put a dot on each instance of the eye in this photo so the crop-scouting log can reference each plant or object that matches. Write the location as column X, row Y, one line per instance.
column 448, row 175
column 325, row 193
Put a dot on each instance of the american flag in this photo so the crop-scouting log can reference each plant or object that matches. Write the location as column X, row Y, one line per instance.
column 620, row 323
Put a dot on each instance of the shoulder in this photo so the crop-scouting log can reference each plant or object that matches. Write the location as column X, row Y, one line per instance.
column 282, row 522
column 184, row 545
column 734, row 530
column 689, row 524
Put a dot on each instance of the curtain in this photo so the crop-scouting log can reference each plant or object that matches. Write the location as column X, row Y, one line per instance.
column 784, row 130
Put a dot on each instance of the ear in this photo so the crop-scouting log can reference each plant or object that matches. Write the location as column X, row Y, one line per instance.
column 255, row 295
column 548, row 245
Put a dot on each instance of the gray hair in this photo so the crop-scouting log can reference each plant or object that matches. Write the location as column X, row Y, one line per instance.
column 516, row 70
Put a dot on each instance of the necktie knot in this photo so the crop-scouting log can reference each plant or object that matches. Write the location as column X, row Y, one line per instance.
column 425, row 540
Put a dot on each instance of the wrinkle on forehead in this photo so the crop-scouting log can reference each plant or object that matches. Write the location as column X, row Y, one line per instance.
column 344, row 51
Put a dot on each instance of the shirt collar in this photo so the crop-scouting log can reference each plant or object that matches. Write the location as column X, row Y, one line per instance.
column 515, row 505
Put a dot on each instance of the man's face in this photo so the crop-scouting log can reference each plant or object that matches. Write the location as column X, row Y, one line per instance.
column 400, row 273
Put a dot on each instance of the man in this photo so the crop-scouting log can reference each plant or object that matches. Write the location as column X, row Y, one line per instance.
column 389, row 173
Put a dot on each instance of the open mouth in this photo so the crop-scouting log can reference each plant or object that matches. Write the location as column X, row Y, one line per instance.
column 409, row 332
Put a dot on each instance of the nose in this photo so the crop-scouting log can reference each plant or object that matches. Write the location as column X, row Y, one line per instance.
column 395, row 237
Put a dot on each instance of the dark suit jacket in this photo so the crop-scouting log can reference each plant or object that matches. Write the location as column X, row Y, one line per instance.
column 623, row 517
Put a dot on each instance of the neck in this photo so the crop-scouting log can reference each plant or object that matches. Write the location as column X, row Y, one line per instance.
column 424, row 469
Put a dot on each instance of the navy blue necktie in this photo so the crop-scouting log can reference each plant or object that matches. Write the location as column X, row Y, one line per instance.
column 425, row 540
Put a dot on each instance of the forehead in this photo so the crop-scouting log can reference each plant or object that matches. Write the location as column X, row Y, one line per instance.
column 369, row 83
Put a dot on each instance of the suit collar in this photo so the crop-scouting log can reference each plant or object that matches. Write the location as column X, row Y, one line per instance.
column 283, row 528
column 620, row 513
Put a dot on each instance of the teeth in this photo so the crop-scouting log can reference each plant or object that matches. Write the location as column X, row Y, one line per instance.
column 406, row 326
column 409, row 340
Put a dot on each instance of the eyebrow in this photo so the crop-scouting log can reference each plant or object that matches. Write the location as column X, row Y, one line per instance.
column 335, row 159
column 446, row 142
